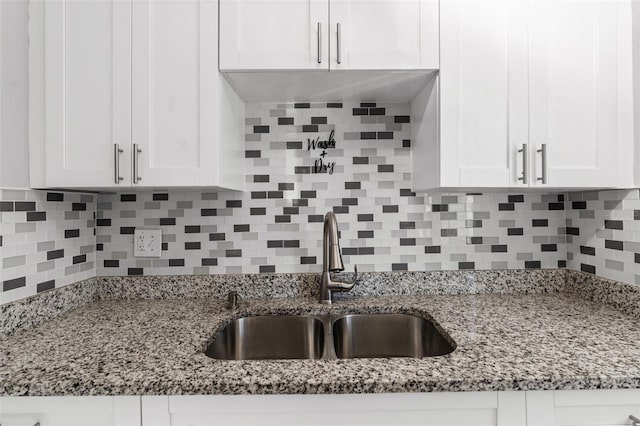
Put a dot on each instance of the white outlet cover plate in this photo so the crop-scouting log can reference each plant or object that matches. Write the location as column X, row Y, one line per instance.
column 147, row 243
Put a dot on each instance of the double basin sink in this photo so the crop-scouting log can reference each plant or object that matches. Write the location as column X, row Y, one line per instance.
column 329, row 337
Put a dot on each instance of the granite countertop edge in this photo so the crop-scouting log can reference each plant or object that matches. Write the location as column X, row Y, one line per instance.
column 592, row 383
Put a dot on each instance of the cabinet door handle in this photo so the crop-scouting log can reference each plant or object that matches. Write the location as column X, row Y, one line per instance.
column 338, row 53
column 319, row 42
column 116, row 163
column 136, row 154
column 525, row 163
column 543, row 154
column 634, row 420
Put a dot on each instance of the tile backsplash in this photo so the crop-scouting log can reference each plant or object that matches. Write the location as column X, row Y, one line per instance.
column 603, row 234
column 47, row 240
column 465, row 232
column 306, row 159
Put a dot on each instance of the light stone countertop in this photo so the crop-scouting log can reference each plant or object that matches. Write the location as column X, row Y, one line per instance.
column 155, row 347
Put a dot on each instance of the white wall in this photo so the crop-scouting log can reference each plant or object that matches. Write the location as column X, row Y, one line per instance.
column 14, row 94
column 635, row 9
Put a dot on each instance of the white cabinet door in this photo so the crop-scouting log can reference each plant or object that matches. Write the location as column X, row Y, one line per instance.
column 582, row 407
column 483, row 93
column 87, row 91
column 579, row 90
column 70, row 411
column 384, row 34
column 274, row 34
column 175, row 92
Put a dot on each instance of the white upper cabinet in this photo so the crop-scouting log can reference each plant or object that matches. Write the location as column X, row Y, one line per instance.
column 532, row 94
column 87, row 90
column 483, row 92
column 328, row 34
column 175, row 111
column 274, row 34
column 132, row 96
column 580, row 90
column 383, row 34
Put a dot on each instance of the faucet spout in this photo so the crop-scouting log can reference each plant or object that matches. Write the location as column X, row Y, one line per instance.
column 332, row 256
column 332, row 261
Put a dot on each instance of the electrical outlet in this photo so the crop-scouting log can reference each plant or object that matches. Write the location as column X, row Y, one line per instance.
column 147, row 243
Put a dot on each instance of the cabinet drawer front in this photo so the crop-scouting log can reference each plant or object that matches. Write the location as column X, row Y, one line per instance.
column 466, row 408
column 596, row 407
column 582, row 407
column 70, row 410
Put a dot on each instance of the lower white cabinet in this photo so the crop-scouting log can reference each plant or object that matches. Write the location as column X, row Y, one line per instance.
column 455, row 408
column 582, row 408
column 70, row 411
column 532, row 408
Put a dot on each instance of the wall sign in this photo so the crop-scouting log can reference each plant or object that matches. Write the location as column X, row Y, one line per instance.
column 321, row 165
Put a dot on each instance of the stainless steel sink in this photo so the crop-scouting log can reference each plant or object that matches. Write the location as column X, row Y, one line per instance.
column 387, row 335
column 269, row 337
column 328, row 337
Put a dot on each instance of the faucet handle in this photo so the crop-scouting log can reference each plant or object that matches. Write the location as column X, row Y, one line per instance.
column 346, row 286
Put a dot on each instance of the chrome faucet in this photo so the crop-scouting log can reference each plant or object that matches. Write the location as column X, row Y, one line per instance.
column 332, row 261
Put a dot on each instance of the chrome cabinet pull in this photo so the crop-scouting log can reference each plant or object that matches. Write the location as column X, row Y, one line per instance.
column 339, row 56
column 634, row 420
column 116, row 163
column 543, row 153
column 136, row 168
column 525, row 163
column 319, row 42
